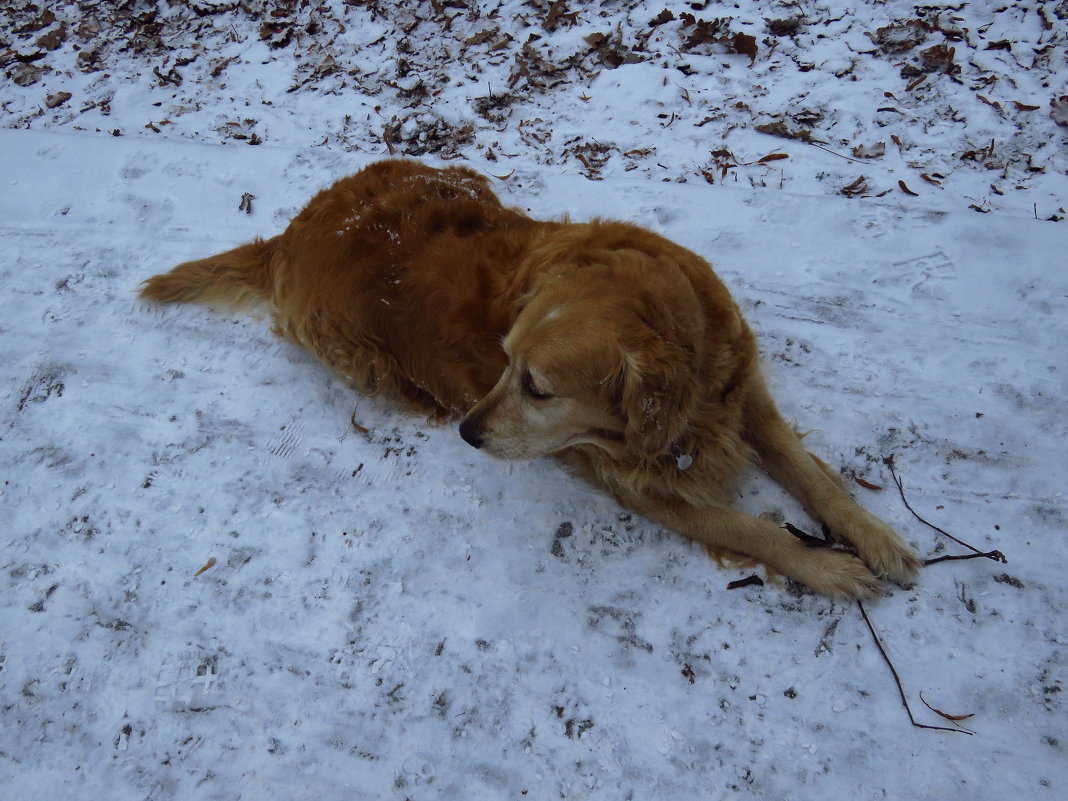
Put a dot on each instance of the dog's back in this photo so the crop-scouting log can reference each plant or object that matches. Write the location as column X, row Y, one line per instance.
column 403, row 278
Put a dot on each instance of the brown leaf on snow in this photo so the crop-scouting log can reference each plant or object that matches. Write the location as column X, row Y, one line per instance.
column 661, row 18
column 53, row 39
column 905, row 189
column 558, row 13
column 207, row 566
column 746, row 45
column 866, row 484
column 772, row 157
column 916, row 83
column 897, row 37
column 784, row 27
column 939, row 57
column 704, row 31
column 1059, row 109
column 482, row 36
column 858, row 187
column 1024, row 106
column 781, row 128
column 954, row 718
column 58, row 99
column 47, row 18
column 878, row 150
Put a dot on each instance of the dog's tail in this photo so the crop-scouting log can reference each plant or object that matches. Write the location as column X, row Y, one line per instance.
column 238, row 277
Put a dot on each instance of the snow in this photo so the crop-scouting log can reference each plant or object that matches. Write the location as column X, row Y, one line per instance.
column 389, row 614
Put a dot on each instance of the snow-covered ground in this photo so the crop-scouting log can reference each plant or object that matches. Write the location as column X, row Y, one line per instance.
column 387, row 613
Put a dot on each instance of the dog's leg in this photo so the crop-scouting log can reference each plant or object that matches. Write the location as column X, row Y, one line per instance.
column 827, row 571
column 812, row 482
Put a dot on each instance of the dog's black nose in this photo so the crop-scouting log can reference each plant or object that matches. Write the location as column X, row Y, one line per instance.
column 471, row 432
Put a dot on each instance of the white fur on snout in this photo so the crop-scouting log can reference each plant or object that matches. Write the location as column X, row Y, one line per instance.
column 524, row 428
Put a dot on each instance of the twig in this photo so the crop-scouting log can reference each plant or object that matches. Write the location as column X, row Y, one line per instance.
column 805, row 537
column 751, row 581
column 172, row 76
column 954, row 719
column 897, row 679
column 995, row 555
column 833, row 153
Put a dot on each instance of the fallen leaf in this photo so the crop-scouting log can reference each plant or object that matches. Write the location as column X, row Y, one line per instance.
column 207, row 566
column 954, row 718
column 772, row 157
column 661, row 18
column 858, row 187
column 878, row 150
column 58, row 99
column 746, row 45
column 1024, row 106
column 866, row 484
column 905, row 189
column 780, row 128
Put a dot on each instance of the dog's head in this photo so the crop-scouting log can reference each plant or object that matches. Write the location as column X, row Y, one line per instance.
column 605, row 352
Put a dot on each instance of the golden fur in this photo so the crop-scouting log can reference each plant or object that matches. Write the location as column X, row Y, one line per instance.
column 602, row 343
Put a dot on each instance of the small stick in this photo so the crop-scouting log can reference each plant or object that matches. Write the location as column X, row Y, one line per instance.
column 996, row 555
column 827, row 149
column 751, row 581
column 897, row 680
column 805, row 537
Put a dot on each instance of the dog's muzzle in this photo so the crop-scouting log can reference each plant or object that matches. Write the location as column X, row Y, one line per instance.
column 471, row 432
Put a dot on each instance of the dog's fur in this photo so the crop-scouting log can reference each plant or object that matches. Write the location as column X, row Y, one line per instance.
column 601, row 343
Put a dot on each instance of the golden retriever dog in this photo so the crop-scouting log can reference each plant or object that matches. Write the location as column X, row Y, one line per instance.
column 601, row 343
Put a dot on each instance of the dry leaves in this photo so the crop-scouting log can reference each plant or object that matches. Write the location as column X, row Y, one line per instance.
column 954, row 719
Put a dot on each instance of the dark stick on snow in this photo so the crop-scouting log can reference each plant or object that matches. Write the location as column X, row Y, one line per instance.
column 995, row 555
column 897, row 679
column 751, row 581
column 805, row 537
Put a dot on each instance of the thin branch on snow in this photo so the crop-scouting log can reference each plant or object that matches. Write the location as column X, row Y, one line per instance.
column 996, row 555
column 897, row 679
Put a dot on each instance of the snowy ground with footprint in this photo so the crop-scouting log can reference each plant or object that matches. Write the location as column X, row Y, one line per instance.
column 225, row 576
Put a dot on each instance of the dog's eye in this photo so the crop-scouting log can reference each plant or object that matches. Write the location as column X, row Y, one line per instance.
column 531, row 389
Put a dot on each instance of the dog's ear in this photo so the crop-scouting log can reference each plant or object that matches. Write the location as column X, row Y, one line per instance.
column 659, row 374
column 657, row 399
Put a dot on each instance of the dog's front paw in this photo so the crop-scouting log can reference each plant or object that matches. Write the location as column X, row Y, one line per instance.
column 882, row 550
column 838, row 574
